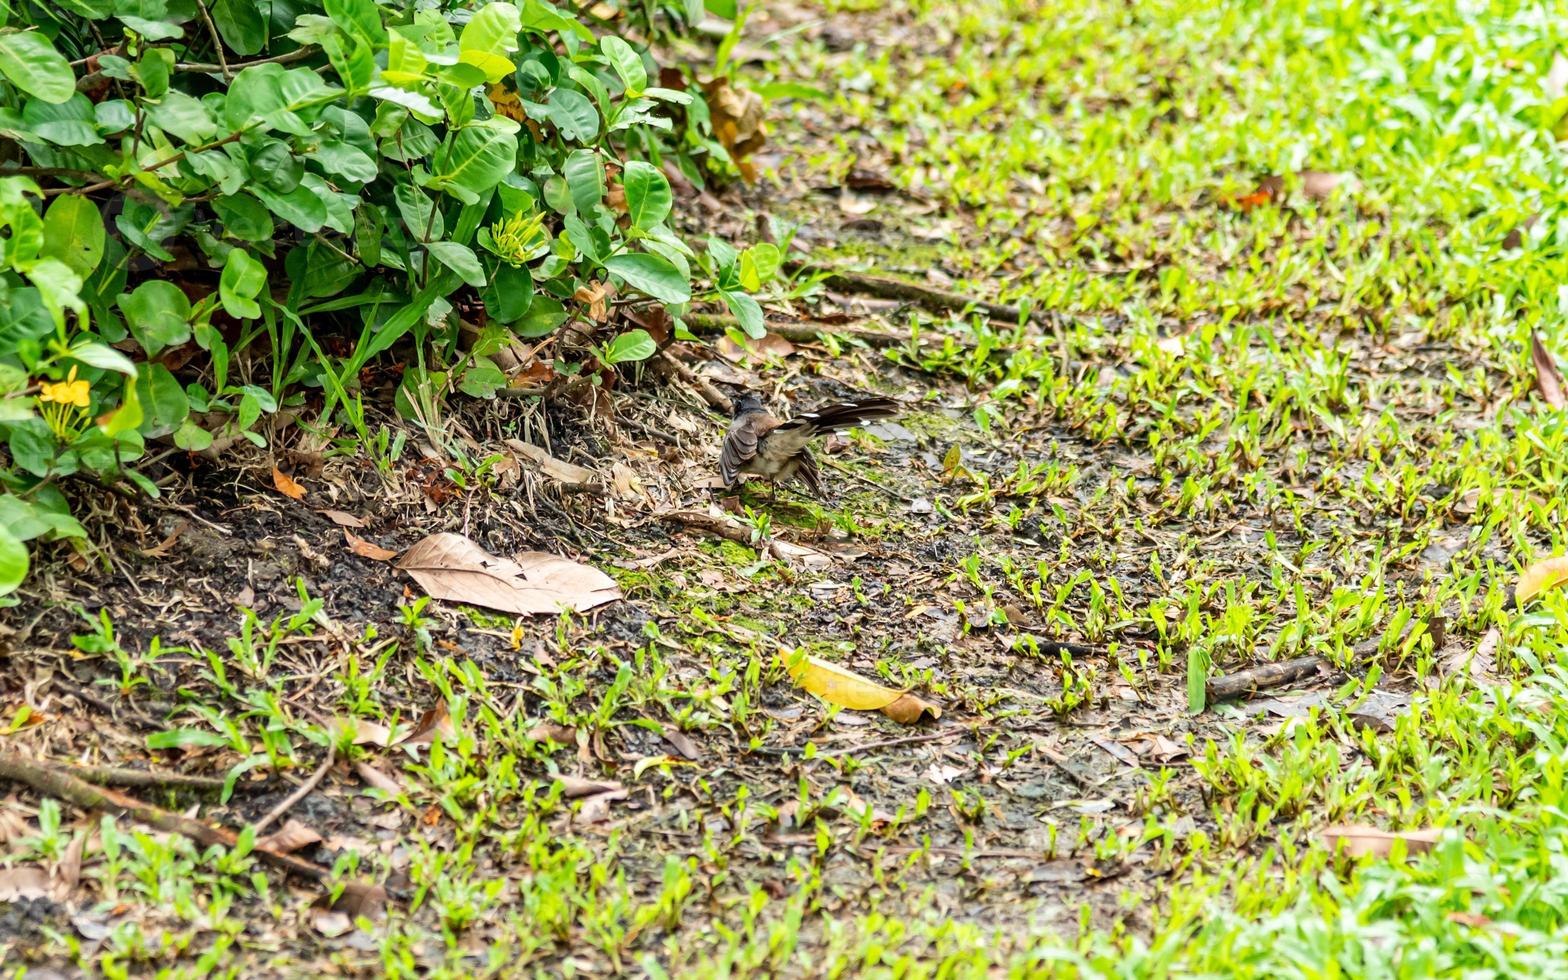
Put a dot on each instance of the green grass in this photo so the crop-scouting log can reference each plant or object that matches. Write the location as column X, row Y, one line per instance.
column 1303, row 428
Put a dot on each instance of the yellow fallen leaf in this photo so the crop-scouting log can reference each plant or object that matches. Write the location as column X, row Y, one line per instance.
column 835, row 685
column 1545, row 574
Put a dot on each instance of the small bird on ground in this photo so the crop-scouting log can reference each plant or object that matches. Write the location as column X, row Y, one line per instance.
column 759, row 443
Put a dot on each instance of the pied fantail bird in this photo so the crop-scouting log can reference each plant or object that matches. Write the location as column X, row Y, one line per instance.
column 760, row 443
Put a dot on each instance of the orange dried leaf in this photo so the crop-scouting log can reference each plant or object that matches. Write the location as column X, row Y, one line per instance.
column 287, row 485
column 1548, row 573
column 365, row 549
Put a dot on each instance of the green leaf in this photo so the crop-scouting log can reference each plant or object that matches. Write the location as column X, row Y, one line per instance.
column 626, row 62
column 31, row 63
column 181, row 737
column 180, row 115
column 633, row 345
column 157, row 314
column 192, row 437
column 68, row 123
column 651, row 275
column 574, row 115
column 487, row 39
column 461, row 260
column 244, row 217
column 544, row 314
column 509, row 294
column 359, row 19
column 13, row 562
column 127, row 417
column 648, row 196
column 74, row 233
column 300, row 207
column 152, row 70
column 473, row 161
column 721, row 8
column 584, row 178
column 340, row 160
column 747, row 312
column 420, row 215
column 240, row 24
column 759, row 264
column 106, row 358
column 164, row 402
column 242, row 281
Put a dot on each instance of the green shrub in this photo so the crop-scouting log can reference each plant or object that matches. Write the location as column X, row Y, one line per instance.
column 186, row 181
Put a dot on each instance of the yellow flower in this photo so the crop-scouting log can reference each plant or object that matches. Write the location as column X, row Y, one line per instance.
column 67, row 392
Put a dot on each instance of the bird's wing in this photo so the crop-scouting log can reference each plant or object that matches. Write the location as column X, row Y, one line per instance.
column 740, row 443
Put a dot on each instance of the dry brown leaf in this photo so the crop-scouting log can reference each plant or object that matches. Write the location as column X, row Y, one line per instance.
column 595, row 296
column 573, row 787
column 376, row 779
column 163, row 547
column 451, row 567
column 596, row 808
column 560, row 471
column 331, row 924
column 835, row 685
column 365, row 549
column 367, row 732
column 1548, row 377
column 23, row 882
column 286, row 485
column 289, row 838
column 342, row 518
column 1359, row 840
column 737, row 122
column 1319, row 184
column 768, row 345
column 562, row 734
column 435, row 722
column 1548, row 573
column 683, row 743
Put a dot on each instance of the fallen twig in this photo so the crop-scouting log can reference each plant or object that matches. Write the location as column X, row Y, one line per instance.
column 1243, row 683
column 303, row 791
column 142, row 778
column 902, row 289
column 715, row 398
column 356, row 897
column 799, row 331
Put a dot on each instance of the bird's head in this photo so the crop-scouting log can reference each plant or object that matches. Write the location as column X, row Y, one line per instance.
column 745, row 403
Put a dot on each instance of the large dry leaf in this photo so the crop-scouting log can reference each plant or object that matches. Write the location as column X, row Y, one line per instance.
column 835, row 685
column 1548, row 573
column 574, row 787
column 376, row 779
column 287, row 485
column 342, row 518
column 736, row 114
column 1548, row 378
column 366, row 549
column 569, row 474
column 1358, row 840
column 433, row 724
column 23, row 882
column 289, row 838
column 451, row 567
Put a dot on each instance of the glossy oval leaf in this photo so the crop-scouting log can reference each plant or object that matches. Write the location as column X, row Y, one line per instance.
column 74, row 233
column 30, row 62
column 648, row 195
column 651, row 275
